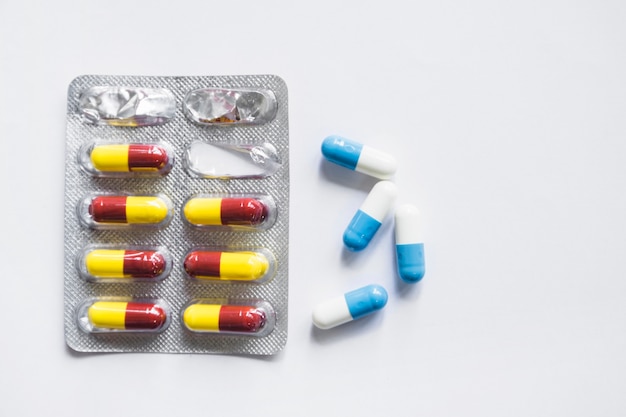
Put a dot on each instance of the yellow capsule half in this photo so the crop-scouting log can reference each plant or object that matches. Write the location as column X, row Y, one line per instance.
column 202, row 317
column 110, row 158
column 105, row 263
column 142, row 209
column 204, row 211
column 108, row 314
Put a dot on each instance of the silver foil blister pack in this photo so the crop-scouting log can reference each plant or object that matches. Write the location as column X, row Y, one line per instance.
column 177, row 214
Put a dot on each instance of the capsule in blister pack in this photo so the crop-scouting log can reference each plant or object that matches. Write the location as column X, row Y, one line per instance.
column 220, row 106
column 104, row 159
column 215, row 264
column 103, row 263
column 127, row 106
column 119, row 211
column 243, row 317
column 245, row 212
column 219, row 160
column 116, row 315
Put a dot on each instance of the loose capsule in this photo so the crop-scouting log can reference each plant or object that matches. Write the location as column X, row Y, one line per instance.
column 128, row 209
column 358, row 157
column 213, row 211
column 129, row 316
column 233, row 266
column 409, row 246
column 370, row 216
column 213, row 318
column 134, row 157
column 119, row 263
column 351, row 306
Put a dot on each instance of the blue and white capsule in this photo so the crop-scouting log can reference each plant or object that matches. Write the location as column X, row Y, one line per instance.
column 370, row 216
column 409, row 246
column 358, row 157
column 350, row 306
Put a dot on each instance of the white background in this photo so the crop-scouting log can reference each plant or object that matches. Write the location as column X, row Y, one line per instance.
column 508, row 119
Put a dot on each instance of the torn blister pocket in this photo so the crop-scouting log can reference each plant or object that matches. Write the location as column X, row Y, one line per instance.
column 209, row 160
column 127, row 106
column 219, row 106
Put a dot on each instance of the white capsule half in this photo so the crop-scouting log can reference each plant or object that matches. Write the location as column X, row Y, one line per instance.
column 409, row 246
column 370, row 215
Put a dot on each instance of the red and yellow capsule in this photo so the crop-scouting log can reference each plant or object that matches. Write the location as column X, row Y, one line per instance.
column 133, row 157
column 231, row 211
column 121, row 264
column 228, row 266
column 129, row 316
column 133, row 210
column 216, row 318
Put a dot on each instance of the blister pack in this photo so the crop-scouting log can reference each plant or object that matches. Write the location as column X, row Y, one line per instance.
column 177, row 214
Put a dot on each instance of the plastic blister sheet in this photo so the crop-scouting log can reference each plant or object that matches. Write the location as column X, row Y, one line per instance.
column 178, row 237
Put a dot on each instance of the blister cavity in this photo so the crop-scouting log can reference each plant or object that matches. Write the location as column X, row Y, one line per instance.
column 217, row 160
column 127, row 106
column 219, row 106
column 239, row 212
column 124, row 264
column 119, row 159
column 210, row 264
column 115, row 211
column 229, row 317
column 123, row 315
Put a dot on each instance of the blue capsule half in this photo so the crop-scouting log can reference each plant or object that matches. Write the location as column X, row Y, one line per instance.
column 409, row 246
column 411, row 264
column 366, row 300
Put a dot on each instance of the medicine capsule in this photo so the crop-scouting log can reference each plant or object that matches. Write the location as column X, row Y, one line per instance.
column 234, row 266
column 129, row 158
column 358, row 157
column 213, row 318
column 409, row 246
column 132, row 316
column 212, row 211
column 370, row 216
column 351, row 306
column 128, row 209
column 115, row 263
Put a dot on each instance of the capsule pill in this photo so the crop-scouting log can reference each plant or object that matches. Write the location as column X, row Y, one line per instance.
column 351, row 306
column 370, row 216
column 358, row 157
column 215, row 318
column 232, row 266
column 129, row 158
column 129, row 316
column 119, row 263
column 231, row 211
column 128, row 209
